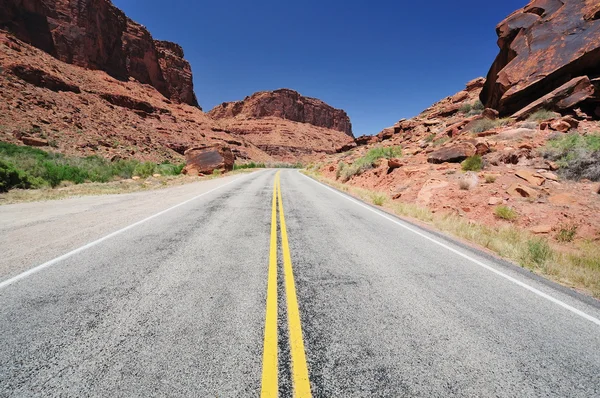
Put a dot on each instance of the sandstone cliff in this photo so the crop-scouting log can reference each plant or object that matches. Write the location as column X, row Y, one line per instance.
column 286, row 104
column 94, row 34
column 543, row 47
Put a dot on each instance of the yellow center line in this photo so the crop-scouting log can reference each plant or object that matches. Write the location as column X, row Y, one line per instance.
column 269, row 372
column 300, row 379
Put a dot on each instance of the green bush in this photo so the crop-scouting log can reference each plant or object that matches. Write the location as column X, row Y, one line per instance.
column 538, row 251
column 340, row 168
column 482, row 125
column 368, row 161
column 169, row 169
column 567, row 233
column 577, row 155
column 478, row 105
column 378, row 199
column 251, row 165
column 473, row 163
column 506, row 213
column 542, row 115
column 11, row 177
column 144, row 170
column 465, row 108
column 39, row 168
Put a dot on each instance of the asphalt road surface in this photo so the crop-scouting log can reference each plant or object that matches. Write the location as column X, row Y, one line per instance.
column 273, row 285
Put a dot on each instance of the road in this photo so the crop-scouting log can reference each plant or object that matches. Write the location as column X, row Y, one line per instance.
column 231, row 288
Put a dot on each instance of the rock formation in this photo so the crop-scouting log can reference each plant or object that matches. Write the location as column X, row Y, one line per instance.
column 543, row 47
column 94, row 34
column 286, row 104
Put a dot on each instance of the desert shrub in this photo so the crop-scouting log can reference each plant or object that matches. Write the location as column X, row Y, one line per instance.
column 217, row 172
column 464, row 184
column 340, row 168
column 538, row 252
column 169, row 169
column 441, row 141
column 368, row 161
column 250, row 165
column 144, row 170
column 473, row 163
column 577, row 155
column 567, row 233
column 482, row 125
column 430, row 138
column 474, row 112
column 541, row 115
column 378, row 199
column 506, row 213
column 478, row 105
column 475, row 108
column 490, row 179
column 11, row 177
column 479, row 126
column 465, row 108
column 45, row 168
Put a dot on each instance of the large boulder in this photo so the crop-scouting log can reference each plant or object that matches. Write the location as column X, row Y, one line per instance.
column 453, row 154
column 542, row 46
column 205, row 160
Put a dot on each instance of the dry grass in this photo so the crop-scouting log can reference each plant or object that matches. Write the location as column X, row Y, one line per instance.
column 576, row 266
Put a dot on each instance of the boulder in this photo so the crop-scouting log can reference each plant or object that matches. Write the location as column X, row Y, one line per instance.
column 32, row 141
column 560, row 125
column 453, row 154
column 204, row 160
column 475, row 84
column 542, row 46
column 541, row 229
column 532, row 178
column 522, row 191
column 562, row 199
column 490, row 113
column 565, row 97
column 495, row 201
column 459, row 97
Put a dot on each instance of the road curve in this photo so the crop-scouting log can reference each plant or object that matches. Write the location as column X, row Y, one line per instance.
column 175, row 305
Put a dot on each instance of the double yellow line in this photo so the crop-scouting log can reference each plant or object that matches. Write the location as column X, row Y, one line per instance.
column 300, row 381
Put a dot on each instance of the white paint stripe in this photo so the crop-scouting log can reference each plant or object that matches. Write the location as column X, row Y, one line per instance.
column 481, row 264
column 47, row 264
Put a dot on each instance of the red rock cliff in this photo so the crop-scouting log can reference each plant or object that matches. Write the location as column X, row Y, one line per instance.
column 95, row 34
column 543, row 46
column 286, row 104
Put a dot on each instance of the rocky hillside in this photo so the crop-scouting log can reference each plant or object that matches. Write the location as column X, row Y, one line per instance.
column 62, row 107
column 521, row 148
column 94, row 34
column 81, row 78
column 286, row 104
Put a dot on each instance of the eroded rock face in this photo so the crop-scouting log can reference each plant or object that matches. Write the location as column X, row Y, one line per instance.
column 542, row 47
column 286, row 104
column 96, row 35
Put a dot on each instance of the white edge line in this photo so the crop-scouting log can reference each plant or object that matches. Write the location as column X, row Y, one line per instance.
column 47, row 264
column 481, row 264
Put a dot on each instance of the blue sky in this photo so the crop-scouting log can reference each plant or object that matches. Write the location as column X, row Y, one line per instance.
column 380, row 61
